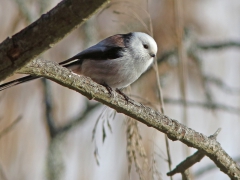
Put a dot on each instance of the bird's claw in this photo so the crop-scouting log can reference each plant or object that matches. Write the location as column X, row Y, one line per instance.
column 109, row 89
column 128, row 99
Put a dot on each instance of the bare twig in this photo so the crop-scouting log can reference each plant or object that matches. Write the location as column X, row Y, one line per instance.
column 222, row 85
column 24, row 10
column 160, row 98
column 160, row 95
column 166, row 55
column 207, row 91
column 135, row 16
column 10, row 127
column 213, row 106
column 48, row 107
column 187, row 163
column 219, row 45
column 182, row 57
column 191, row 160
column 180, row 47
column 90, row 107
column 206, row 105
column 186, row 175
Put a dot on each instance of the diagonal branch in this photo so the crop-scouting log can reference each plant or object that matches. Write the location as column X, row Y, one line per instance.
column 191, row 160
column 89, row 109
column 42, row 34
column 9, row 128
column 146, row 115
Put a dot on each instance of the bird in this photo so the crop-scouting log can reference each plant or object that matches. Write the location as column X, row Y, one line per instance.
column 115, row 62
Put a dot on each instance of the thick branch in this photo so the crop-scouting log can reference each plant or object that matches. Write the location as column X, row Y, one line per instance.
column 146, row 115
column 41, row 35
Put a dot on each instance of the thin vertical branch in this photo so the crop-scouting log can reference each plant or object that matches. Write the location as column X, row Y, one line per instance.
column 160, row 96
column 48, row 108
column 182, row 57
column 181, row 53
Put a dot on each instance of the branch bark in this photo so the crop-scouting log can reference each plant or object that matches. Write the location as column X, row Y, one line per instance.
column 191, row 160
column 146, row 115
column 42, row 34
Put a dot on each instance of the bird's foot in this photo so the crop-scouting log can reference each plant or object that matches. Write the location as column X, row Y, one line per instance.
column 128, row 99
column 109, row 89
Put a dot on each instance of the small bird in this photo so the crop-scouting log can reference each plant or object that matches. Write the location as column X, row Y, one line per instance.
column 115, row 62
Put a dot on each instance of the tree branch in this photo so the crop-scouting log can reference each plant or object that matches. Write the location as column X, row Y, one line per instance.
column 49, row 108
column 9, row 128
column 206, row 105
column 42, row 34
column 146, row 115
column 218, row 46
column 191, row 160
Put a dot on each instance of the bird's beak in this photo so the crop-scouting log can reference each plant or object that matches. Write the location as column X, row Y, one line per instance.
column 152, row 55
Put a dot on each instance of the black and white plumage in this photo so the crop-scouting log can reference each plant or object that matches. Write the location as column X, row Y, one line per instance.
column 115, row 62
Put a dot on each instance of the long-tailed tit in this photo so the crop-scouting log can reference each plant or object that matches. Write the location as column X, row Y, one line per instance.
column 114, row 62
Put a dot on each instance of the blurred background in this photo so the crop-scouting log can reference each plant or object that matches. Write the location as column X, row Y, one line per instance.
column 50, row 132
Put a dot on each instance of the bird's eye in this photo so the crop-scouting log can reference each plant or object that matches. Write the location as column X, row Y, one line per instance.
column 145, row 46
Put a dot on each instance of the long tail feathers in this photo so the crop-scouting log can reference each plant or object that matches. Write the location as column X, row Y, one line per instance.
column 67, row 63
column 17, row 81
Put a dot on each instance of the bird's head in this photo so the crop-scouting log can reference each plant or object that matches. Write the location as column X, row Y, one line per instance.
column 143, row 44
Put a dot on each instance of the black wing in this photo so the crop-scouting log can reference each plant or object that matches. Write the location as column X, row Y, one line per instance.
column 107, row 49
column 96, row 52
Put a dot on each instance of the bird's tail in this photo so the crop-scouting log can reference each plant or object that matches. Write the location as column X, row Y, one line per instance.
column 17, row 81
column 67, row 64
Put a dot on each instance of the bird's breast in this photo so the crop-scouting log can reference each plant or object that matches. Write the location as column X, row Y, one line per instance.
column 117, row 73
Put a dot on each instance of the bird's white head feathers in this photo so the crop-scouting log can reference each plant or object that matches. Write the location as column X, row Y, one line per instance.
column 144, row 44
